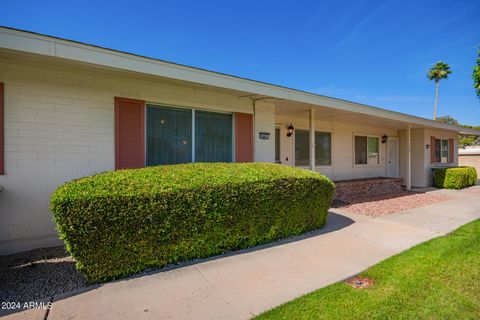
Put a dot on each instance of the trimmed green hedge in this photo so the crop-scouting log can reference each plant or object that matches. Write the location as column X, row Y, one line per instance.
column 121, row 222
column 455, row 178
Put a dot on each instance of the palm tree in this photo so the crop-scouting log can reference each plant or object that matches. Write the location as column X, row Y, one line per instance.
column 439, row 71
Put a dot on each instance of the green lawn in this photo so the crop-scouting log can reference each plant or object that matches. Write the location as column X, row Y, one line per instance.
column 439, row 279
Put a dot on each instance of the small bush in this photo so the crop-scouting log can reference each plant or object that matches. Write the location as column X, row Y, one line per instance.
column 455, row 178
column 121, row 222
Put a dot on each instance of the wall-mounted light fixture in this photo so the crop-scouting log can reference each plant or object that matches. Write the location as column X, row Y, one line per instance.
column 384, row 138
column 290, row 129
column 428, row 146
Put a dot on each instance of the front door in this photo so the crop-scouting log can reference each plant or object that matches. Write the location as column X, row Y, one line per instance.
column 392, row 158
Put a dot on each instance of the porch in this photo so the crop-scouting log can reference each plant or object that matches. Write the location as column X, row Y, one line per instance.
column 345, row 144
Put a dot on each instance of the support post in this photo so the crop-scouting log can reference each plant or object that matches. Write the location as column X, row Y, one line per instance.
column 409, row 158
column 312, row 139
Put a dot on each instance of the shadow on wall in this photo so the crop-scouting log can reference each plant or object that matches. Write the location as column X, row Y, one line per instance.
column 41, row 274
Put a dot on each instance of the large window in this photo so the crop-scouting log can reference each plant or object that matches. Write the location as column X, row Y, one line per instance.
column 367, row 150
column 169, row 135
column 442, row 151
column 213, row 137
column 171, row 138
column 323, row 148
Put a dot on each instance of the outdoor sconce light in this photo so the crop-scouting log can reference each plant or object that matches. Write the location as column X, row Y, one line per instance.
column 428, row 146
column 290, row 129
column 384, row 138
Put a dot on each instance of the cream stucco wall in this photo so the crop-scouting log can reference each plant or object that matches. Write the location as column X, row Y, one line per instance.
column 59, row 125
column 470, row 160
column 421, row 166
column 343, row 166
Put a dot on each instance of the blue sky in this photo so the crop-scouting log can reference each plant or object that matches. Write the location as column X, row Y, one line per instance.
column 373, row 52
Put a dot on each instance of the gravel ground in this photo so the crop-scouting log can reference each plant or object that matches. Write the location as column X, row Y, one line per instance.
column 382, row 204
column 38, row 274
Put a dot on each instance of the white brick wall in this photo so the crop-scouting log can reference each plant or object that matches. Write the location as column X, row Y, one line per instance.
column 59, row 125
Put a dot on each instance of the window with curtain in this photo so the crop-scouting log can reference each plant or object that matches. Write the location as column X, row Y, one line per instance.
column 373, row 150
column 367, row 150
column 301, row 148
column 323, row 148
column 442, row 150
column 277, row 145
column 361, row 150
column 213, row 137
column 169, row 135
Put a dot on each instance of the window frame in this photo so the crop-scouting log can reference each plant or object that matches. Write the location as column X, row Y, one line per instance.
column 331, row 148
column 192, row 109
column 279, row 128
column 441, row 140
column 368, row 164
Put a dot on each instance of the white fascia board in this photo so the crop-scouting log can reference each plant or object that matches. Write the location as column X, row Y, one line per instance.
column 50, row 46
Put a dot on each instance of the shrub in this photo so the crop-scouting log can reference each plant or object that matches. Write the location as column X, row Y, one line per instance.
column 121, row 222
column 455, row 178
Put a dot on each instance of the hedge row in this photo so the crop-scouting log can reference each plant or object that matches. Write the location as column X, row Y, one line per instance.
column 455, row 178
column 122, row 222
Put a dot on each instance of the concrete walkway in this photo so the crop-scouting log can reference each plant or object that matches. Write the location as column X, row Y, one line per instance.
column 243, row 285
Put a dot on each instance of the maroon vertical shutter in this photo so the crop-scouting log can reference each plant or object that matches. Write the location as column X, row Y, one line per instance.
column 432, row 149
column 2, row 130
column 129, row 133
column 243, row 137
column 450, row 150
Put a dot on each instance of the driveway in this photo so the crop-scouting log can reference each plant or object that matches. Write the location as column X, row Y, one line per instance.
column 241, row 285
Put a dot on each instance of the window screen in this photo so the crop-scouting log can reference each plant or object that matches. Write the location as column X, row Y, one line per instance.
column 169, row 135
column 277, row 145
column 301, row 148
column 213, row 137
column 323, row 148
column 373, row 150
column 360, row 150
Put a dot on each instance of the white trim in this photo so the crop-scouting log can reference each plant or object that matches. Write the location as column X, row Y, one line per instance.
column 29, row 42
column 331, row 148
column 441, row 163
column 368, row 164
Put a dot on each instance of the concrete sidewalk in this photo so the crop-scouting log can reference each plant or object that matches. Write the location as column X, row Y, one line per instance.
column 242, row 285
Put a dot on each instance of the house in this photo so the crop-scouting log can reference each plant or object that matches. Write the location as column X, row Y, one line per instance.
column 470, row 156
column 70, row 109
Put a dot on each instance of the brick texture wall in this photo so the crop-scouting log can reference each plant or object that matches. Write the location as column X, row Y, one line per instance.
column 59, row 125
column 356, row 188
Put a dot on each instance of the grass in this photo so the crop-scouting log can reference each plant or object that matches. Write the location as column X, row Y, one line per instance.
column 439, row 279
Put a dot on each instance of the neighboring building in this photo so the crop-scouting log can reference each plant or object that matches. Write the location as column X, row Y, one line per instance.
column 470, row 156
column 72, row 109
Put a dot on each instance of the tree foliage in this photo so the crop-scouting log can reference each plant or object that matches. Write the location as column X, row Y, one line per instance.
column 440, row 70
column 476, row 76
column 463, row 141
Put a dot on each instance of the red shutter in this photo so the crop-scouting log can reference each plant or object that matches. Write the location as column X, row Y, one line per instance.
column 243, row 137
column 129, row 133
column 2, row 132
column 432, row 149
column 450, row 150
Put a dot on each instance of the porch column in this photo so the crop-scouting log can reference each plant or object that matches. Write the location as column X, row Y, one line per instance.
column 409, row 158
column 312, row 139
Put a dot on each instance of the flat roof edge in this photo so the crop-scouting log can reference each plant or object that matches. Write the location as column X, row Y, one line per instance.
column 26, row 41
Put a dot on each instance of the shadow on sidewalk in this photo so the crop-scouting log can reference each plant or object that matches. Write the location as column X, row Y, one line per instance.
column 39, row 275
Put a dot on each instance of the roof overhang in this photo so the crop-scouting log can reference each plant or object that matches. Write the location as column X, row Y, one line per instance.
column 23, row 41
